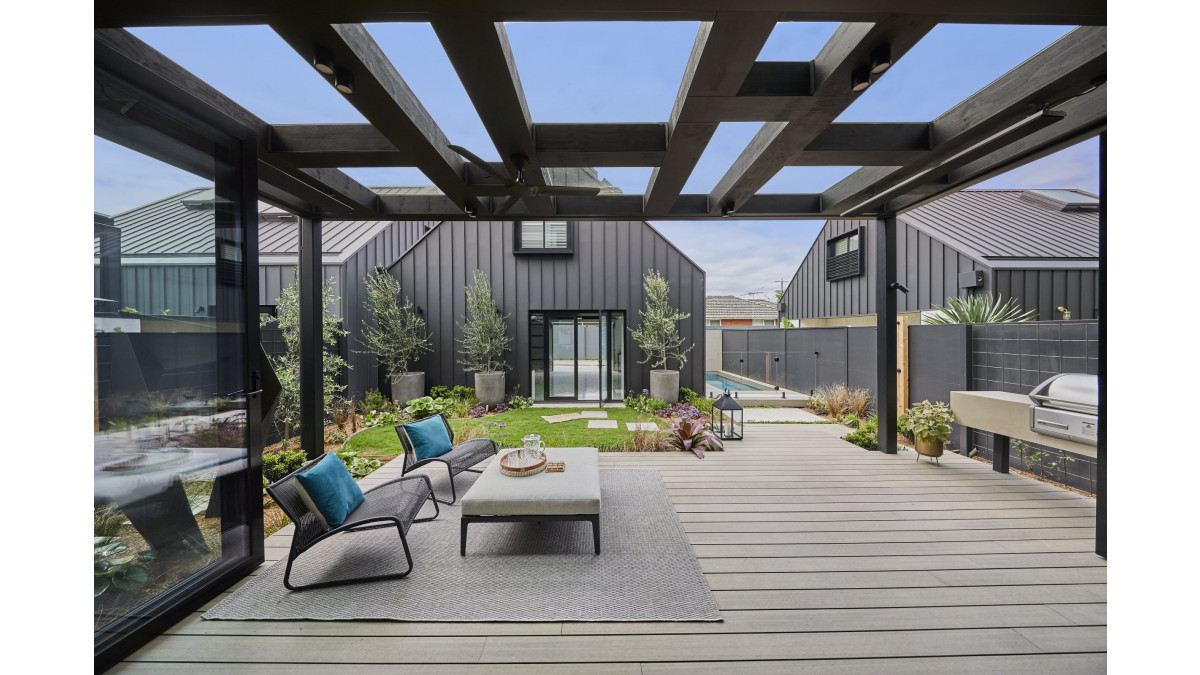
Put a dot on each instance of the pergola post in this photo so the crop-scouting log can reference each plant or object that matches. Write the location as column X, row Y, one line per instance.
column 885, row 331
column 312, row 394
column 1102, row 371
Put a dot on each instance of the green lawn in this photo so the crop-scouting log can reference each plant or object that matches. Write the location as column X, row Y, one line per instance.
column 518, row 424
column 378, row 441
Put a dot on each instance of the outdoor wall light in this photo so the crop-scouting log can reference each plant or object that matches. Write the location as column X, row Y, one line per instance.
column 343, row 81
column 860, row 79
column 881, row 59
column 322, row 60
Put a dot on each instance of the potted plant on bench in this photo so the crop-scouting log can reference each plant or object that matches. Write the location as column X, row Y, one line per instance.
column 659, row 338
column 930, row 424
column 485, row 340
column 398, row 338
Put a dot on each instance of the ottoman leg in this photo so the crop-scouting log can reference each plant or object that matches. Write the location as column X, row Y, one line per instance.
column 462, row 546
column 596, row 531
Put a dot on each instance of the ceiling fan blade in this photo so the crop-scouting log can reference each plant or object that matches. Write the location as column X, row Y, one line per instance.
column 566, row 190
column 472, row 158
column 506, row 205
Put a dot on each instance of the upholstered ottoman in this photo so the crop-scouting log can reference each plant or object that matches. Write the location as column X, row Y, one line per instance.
column 573, row 494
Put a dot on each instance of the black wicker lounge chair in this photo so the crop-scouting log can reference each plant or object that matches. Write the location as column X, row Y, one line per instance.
column 395, row 503
column 464, row 456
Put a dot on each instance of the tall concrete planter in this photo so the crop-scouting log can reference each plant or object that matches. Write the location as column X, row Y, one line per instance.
column 407, row 386
column 664, row 385
column 489, row 387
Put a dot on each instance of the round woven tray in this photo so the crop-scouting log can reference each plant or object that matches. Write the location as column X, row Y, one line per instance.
column 510, row 467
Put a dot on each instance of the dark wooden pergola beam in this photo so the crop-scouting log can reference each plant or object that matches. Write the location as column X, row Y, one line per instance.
column 384, row 98
column 1065, row 68
column 600, row 144
column 776, row 143
column 333, row 145
column 109, row 13
column 866, row 144
column 479, row 50
column 344, row 197
column 723, row 54
column 1086, row 117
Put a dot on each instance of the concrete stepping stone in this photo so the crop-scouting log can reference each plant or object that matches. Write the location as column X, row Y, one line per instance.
column 595, row 414
column 565, row 417
column 641, row 426
column 602, row 424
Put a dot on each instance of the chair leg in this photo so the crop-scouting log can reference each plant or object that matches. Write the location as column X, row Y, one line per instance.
column 437, row 511
column 453, row 492
column 287, row 574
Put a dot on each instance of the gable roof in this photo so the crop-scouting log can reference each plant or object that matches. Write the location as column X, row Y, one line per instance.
column 733, row 307
column 1014, row 228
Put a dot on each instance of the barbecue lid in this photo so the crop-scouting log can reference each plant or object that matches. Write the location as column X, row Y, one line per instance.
column 1069, row 391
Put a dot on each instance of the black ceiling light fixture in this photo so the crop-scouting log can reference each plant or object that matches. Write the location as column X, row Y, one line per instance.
column 727, row 209
column 881, row 59
column 860, row 79
column 469, row 210
column 322, row 59
column 343, row 81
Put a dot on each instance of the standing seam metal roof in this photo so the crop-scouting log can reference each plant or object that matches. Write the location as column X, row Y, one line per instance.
column 999, row 224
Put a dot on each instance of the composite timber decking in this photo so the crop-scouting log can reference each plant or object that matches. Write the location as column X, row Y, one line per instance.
column 823, row 557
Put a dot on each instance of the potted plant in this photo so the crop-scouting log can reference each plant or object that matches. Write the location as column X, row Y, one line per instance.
column 659, row 338
column 930, row 424
column 484, row 342
column 398, row 338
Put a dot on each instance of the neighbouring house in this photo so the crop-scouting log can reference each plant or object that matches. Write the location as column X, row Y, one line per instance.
column 158, row 258
column 570, row 290
column 1041, row 247
column 730, row 310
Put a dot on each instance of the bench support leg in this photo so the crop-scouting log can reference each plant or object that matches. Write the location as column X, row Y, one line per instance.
column 1000, row 453
column 596, row 531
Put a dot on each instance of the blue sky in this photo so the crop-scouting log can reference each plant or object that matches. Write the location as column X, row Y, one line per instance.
column 604, row 72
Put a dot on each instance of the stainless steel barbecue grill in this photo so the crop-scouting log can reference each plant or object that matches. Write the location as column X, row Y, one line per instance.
column 1067, row 406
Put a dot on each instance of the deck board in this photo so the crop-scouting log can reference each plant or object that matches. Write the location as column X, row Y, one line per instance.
column 823, row 557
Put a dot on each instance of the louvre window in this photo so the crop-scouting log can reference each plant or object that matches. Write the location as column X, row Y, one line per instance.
column 535, row 236
column 843, row 257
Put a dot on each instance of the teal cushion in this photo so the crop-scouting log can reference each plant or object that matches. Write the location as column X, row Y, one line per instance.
column 329, row 491
column 429, row 438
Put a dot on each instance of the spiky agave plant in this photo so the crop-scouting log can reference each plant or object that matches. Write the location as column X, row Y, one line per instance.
column 984, row 308
column 691, row 435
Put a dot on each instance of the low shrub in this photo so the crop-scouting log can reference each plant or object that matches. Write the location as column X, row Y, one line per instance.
column 839, row 399
column 866, row 435
column 461, row 393
column 481, row 410
column 439, row 391
column 643, row 440
column 902, row 423
column 276, row 465
column 386, row 417
column 692, row 398
column 375, row 400
column 691, row 435
column 685, row 411
column 109, row 520
column 357, row 465
column 643, row 403
column 426, row 406
column 335, row 437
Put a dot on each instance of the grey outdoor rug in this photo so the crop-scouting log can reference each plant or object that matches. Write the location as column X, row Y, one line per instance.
column 512, row 571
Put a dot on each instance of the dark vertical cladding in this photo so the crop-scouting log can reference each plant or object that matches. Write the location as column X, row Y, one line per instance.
column 604, row 272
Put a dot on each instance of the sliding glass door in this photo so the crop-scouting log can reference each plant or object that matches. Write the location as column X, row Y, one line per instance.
column 176, row 417
column 576, row 356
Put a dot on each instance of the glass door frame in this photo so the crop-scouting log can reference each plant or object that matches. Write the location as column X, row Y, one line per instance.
column 606, row 321
column 195, row 128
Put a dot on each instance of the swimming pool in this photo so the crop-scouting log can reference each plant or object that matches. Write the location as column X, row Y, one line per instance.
column 722, row 382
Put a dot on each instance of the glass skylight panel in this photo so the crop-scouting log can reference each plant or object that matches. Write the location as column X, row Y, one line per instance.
column 417, row 54
column 927, row 81
column 805, row 179
column 722, row 151
column 281, row 87
column 601, row 71
column 797, row 40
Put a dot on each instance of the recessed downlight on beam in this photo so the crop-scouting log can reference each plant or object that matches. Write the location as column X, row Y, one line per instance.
column 727, row 209
column 881, row 59
column 860, row 79
column 322, row 60
column 343, row 81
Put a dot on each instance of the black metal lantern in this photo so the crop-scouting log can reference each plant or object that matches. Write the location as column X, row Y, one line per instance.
column 728, row 418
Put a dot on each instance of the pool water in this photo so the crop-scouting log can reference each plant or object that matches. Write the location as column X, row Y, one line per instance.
column 722, row 382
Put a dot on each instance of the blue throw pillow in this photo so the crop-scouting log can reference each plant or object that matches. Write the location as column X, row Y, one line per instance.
column 329, row 491
column 429, row 438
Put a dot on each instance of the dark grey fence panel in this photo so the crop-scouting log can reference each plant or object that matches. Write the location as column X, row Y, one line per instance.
column 939, row 362
column 861, row 364
column 764, row 361
column 734, row 346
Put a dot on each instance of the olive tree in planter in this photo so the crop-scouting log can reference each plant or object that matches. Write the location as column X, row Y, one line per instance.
column 398, row 338
column 485, row 341
column 659, row 337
